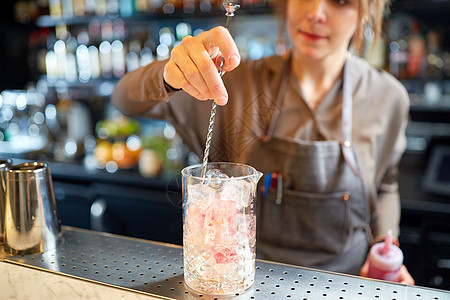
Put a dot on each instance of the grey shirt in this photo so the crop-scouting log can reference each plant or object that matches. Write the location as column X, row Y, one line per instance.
column 380, row 113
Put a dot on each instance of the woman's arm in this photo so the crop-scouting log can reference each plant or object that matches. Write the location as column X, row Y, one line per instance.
column 388, row 198
column 139, row 91
column 144, row 93
column 193, row 67
column 153, row 91
column 388, row 204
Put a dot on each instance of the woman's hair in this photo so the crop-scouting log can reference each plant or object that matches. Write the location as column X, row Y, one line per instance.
column 370, row 15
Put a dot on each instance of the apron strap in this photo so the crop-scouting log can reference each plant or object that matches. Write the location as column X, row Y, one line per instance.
column 347, row 103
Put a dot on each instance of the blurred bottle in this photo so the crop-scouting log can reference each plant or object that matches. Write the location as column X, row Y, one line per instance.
column 146, row 56
column 118, row 48
column 416, row 51
column 171, row 6
column 106, row 59
column 90, row 7
column 119, row 30
column 156, row 5
column 188, row 6
column 83, row 63
column 150, row 164
column 107, row 31
column 162, row 52
column 79, row 7
column 132, row 57
column 398, row 58
column 118, row 58
column 399, row 29
column 166, row 36
column 101, row 8
column 51, row 64
column 71, row 74
column 61, row 31
column 434, row 65
column 126, row 8
column 95, row 32
column 83, row 37
column 79, row 124
column 55, row 8
column 67, row 8
column 71, row 68
column 60, row 59
column 206, row 6
column 433, row 75
column 112, row 8
column 60, row 53
column 142, row 6
column 94, row 62
column 82, row 55
column 182, row 29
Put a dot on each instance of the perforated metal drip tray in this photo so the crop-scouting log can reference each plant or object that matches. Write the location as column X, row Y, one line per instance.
column 157, row 269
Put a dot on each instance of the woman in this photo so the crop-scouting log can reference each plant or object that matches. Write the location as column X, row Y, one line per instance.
column 324, row 121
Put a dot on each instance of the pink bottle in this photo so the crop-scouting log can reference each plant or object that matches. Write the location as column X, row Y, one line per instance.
column 385, row 260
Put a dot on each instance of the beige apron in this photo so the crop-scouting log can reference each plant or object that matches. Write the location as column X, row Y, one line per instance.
column 321, row 219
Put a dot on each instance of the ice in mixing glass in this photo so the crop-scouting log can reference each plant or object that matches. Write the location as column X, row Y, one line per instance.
column 219, row 227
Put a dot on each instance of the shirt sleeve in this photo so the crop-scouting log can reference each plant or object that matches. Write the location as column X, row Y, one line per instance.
column 139, row 91
column 389, row 205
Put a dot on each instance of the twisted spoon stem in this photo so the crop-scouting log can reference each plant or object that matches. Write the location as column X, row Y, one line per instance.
column 230, row 8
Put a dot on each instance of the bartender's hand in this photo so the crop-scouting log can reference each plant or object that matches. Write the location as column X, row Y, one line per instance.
column 194, row 64
column 405, row 277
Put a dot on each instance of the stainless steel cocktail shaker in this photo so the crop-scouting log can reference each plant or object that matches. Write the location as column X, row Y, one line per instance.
column 31, row 219
column 4, row 166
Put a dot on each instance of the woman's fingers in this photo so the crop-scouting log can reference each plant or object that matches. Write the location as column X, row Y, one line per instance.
column 405, row 277
column 193, row 65
column 364, row 269
column 179, row 81
column 220, row 37
column 207, row 70
column 190, row 71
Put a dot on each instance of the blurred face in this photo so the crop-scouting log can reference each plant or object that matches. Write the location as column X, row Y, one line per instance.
column 319, row 28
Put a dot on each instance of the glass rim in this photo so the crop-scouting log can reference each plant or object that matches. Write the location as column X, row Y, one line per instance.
column 188, row 168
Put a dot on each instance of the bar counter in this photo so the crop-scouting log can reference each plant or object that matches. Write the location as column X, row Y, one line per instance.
column 97, row 265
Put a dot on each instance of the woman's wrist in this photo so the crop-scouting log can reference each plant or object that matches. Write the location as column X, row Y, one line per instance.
column 169, row 88
column 381, row 238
